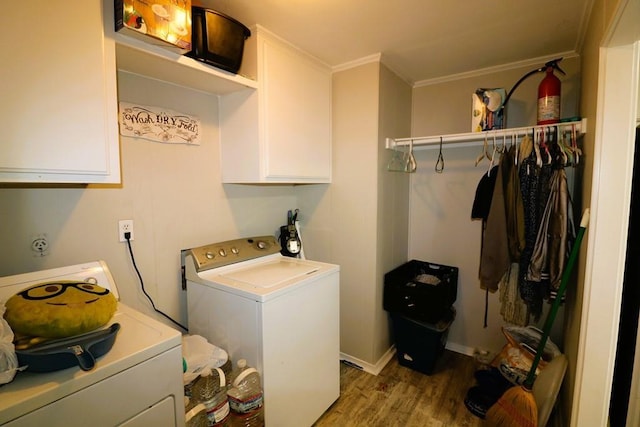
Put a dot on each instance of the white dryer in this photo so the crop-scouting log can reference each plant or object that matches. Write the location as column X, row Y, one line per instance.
column 281, row 314
column 137, row 383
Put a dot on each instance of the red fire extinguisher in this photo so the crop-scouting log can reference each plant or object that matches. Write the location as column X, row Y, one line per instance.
column 548, row 92
column 549, row 96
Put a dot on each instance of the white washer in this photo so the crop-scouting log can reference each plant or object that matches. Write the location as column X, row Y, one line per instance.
column 281, row 314
column 137, row 383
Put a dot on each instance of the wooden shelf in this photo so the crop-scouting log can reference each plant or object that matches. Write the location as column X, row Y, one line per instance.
column 156, row 62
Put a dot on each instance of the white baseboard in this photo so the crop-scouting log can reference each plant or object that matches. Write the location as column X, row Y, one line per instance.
column 462, row 349
column 373, row 369
column 376, row 368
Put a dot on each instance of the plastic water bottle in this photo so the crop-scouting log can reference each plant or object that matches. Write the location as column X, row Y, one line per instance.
column 246, row 397
column 195, row 414
column 211, row 390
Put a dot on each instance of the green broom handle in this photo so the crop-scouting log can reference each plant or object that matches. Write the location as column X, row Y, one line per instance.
column 528, row 382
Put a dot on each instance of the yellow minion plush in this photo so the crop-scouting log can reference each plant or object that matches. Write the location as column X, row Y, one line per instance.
column 59, row 309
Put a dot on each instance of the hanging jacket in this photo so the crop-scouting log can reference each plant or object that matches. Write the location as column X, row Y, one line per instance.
column 514, row 209
column 494, row 258
column 484, row 195
column 556, row 227
column 534, row 186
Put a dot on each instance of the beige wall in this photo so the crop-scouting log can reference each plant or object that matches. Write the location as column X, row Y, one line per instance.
column 442, row 107
column 359, row 221
column 341, row 216
column 172, row 192
column 354, row 203
column 393, row 196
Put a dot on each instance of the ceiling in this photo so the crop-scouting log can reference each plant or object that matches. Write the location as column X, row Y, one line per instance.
column 420, row 39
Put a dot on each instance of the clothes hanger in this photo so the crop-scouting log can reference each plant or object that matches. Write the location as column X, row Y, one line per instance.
column 411, row 164
column 563, row 148
column 526, row 146
column 484, row 154
column 440, row 162
column 514, row 141
column 544, row 133
column 493, row 156
column 548, row 144
column 536, row 148
column 397, row 162
column 574, row 144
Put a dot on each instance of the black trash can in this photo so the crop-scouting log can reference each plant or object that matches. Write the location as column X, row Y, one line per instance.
column 421, row 290
column 419, row 345
column 419, row 296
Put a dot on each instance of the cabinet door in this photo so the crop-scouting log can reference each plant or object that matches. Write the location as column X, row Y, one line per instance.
column 297, row 115
column 58, row 114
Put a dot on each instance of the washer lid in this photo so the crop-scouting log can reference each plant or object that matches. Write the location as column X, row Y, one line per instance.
column 271, row 273
column 263, row 278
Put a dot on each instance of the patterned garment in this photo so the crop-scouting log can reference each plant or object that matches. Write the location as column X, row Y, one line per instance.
column 512, row 307
column 534, row 187
column 554, row 235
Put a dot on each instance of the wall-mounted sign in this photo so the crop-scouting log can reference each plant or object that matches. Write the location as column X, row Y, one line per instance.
column 158, row 124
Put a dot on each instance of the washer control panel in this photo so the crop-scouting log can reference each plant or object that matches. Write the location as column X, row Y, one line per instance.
column 224, row 253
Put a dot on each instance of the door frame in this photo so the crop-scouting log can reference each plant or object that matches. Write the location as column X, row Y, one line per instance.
column 610, row 205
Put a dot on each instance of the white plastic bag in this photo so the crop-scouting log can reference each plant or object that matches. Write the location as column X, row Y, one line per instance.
column 8, row 358
column 516, row 358
column 198, row 353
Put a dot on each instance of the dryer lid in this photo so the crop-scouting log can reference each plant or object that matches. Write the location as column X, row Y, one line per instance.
column 95, row 272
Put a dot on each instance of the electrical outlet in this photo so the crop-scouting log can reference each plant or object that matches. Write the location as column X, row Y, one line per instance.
column 40, row 245
column 125, row 226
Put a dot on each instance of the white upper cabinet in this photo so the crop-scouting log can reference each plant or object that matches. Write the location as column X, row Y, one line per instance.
column 280, row 133
column 58, row 83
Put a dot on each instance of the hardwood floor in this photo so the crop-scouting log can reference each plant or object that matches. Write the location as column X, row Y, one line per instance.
column 402, row 397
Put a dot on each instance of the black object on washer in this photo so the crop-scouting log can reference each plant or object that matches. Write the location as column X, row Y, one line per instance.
column 81, row 350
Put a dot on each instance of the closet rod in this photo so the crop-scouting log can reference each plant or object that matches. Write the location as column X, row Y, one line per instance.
column 471, row 139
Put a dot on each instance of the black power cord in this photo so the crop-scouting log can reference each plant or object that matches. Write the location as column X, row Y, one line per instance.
column 127, row 237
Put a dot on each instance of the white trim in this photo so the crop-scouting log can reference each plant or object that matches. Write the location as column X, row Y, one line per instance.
column 462, row 349
column 377, row 57
column 606, row 251
column 373, row 369
column 533, row 62
column 376, row 368
column 268, row 34
column 584, row 24
column 633, row 410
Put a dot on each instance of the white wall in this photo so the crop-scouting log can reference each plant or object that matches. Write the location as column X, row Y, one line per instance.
column 440, row 226
column 172, row 192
